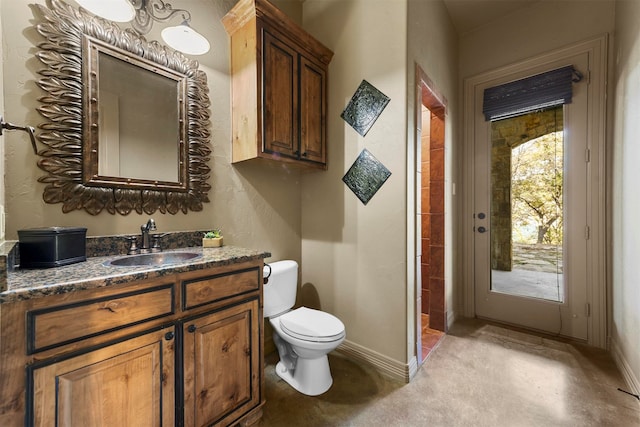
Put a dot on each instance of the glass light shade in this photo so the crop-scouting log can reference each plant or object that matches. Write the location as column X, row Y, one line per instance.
column 113, row 10
column 185, row 39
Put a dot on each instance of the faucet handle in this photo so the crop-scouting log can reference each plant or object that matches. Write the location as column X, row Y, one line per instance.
column 133, row 245
column 156, row 247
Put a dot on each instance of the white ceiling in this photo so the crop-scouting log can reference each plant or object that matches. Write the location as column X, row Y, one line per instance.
column 468, row 15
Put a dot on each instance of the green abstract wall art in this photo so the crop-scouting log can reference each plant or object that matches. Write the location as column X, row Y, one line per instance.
column 366, row 176
column 365, row 107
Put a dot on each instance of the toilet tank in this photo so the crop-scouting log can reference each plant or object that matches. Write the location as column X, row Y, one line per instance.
column 281, row 287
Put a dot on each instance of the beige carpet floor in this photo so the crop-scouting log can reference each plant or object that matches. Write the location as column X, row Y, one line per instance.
column 479, row 375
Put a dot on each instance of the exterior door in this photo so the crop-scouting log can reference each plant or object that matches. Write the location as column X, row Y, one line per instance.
column 531, row 225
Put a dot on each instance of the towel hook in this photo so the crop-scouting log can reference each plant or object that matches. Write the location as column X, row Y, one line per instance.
column 29, row 129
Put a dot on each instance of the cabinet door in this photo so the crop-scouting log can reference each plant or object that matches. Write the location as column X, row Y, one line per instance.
column 222, row 365
column 313, row 83
column 280, row 97
column 130, row 383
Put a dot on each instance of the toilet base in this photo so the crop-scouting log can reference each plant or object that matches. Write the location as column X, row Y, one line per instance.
column 310, row 376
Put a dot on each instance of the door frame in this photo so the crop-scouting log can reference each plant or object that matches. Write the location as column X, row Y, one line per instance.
column 597, row 185
column 424, row 89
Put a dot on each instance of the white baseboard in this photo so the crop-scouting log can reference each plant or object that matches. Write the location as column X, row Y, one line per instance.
column 384, row 364
column 451, row 317
column 628, row 374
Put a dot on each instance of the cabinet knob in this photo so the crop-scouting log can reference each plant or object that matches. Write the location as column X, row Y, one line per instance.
column 169, row 336
column 304, row 154
column 191, row 328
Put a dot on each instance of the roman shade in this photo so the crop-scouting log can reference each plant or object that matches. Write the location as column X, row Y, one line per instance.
column 534, row 93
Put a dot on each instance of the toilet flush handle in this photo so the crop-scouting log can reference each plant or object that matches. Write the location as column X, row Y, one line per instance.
column 265, row 279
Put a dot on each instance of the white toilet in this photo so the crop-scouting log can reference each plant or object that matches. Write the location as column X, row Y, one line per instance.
column 302, row 336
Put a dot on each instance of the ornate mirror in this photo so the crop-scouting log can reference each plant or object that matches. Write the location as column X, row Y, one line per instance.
column 127, row 120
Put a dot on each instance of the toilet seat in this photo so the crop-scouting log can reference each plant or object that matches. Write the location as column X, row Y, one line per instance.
column 308, row 324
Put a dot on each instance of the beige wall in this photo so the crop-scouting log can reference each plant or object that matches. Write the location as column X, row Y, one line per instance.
column 256, row 206
column 625, row 329
column 2, row 138
column 542, row 27
column 355, row 256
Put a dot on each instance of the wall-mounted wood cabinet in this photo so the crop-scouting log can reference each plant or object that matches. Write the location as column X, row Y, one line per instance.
column 279, row 87
column 186, row 350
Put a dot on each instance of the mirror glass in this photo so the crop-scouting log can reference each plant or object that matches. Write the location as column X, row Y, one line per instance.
column 134, row 124
column 138, row 129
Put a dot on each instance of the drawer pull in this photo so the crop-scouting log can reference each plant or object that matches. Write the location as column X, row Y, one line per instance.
column 191, row 328
column 169, row 336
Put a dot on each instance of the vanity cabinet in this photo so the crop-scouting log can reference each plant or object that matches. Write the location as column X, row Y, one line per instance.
column 279, row 87
column 221, row 365
column 130, row 383
column 183, row 349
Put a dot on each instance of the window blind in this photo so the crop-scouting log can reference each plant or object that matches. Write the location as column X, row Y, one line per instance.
column 538, row 92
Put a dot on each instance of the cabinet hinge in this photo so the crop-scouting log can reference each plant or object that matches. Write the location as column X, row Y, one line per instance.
column 587, row 155
column 587, row 232
column 587, row 309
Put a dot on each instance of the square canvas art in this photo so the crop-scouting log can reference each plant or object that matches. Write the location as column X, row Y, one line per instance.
column 364, row 108
column 366, row 176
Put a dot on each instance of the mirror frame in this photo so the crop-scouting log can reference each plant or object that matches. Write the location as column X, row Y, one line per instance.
column 67, row 108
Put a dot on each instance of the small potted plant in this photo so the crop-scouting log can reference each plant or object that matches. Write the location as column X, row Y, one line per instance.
column 212, row 239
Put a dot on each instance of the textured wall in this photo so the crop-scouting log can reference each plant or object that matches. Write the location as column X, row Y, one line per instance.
column 355, row 257
column 625, row 329
column 257, row 206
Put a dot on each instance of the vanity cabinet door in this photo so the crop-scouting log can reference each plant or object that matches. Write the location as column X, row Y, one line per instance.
column 130, row 383
column 222, row 366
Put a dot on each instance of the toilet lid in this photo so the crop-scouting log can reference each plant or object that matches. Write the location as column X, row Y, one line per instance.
column 312, row 325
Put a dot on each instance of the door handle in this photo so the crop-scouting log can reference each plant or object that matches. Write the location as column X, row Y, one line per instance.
column 482, row 230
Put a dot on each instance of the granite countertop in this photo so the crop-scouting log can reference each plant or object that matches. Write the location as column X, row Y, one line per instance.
column 23, row 284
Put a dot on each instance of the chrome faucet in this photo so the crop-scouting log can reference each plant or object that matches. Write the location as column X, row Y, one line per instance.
column 146, row 241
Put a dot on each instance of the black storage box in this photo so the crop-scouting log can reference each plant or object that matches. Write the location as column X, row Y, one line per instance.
column 52, row 246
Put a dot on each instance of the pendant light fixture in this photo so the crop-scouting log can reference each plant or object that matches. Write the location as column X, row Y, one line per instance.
column 142, row 14
column 113, row 10
column 185, row 39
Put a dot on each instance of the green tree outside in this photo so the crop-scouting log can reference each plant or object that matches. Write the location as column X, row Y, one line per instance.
column 536, row 190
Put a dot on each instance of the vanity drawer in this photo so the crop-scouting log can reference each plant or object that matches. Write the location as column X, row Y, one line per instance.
column 209, row 289
column 55, row 326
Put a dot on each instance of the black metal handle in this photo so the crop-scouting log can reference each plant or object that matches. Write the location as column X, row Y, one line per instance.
column 169, row 336
column 265, row 279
